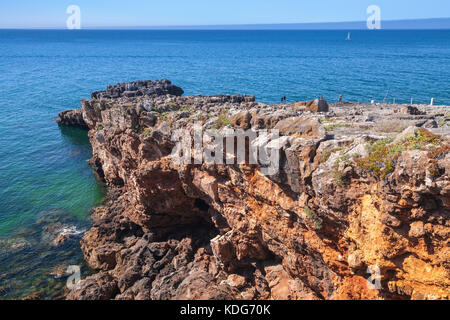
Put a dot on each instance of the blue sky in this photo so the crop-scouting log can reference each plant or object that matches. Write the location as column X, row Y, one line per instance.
column 106, row 13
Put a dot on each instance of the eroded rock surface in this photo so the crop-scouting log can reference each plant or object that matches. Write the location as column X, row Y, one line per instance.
column 347, row 198
column 73, row 118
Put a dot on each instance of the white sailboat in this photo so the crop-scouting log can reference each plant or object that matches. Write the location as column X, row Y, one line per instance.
column 348, row 37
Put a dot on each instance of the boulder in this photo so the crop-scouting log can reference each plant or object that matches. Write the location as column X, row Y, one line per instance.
column 430, row 124
column 100, row 286
column 317, row 105
column 73, row 118
column 301, row 127
column 242, row 120
column 411, row 111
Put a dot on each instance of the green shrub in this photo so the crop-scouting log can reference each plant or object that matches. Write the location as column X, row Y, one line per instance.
column 339, row 177
column 314, row 217
column 186, row 108
column 382, row 157
column 422, row 139
column 333, row 126
column 325, row 155
column 201, row 117
column 222, row 121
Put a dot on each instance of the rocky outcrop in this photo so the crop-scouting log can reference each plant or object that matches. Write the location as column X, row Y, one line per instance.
column 350, row 213
column 139, row 88
column 73, row 118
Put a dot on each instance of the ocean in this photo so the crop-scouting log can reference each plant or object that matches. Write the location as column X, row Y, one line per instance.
column 45, row 181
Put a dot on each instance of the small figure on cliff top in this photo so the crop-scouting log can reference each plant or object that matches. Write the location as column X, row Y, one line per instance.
column 340, row 97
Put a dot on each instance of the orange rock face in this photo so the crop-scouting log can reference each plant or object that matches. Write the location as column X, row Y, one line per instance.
column 320, row 228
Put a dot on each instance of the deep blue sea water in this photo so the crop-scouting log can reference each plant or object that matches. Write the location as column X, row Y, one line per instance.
column 44, row 175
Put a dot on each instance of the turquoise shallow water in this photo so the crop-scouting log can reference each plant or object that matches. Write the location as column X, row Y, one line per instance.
column 44, row 175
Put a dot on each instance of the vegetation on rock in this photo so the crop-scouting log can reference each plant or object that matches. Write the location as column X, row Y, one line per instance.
column 383, row 154
column 222, row 121
column 314, row 217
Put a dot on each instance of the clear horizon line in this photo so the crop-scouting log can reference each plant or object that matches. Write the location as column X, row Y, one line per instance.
column 260, row 26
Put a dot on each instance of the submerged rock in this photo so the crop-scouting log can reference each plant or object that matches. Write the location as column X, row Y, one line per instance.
column 57, row 227
column 66, row 233
column 59, row 271
column 34, row 296
column 13, row 245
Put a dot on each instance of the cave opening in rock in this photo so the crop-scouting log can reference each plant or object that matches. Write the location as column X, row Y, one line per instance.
column 201, row 204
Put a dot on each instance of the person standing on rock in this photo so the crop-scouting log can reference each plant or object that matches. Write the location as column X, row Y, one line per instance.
column 340, row 97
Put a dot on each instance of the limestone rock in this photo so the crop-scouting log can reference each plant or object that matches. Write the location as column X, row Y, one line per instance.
column 345, row 197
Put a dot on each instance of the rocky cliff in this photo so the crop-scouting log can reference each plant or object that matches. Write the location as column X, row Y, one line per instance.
column 358, row 207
